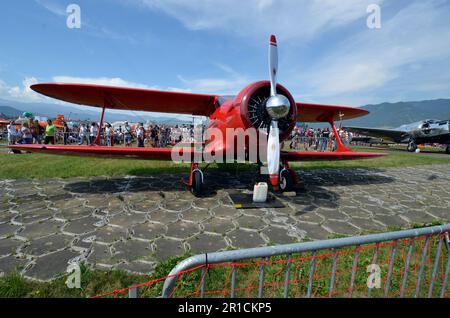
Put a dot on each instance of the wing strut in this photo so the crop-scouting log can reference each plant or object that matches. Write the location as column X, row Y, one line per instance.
column 97, row 140
column 341, row 147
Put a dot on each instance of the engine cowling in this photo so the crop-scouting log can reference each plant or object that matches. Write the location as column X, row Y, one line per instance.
column 252, row 102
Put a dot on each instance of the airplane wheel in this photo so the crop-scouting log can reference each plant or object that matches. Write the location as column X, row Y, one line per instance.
column 411, row 147
column 197, row 183
column 286, row 181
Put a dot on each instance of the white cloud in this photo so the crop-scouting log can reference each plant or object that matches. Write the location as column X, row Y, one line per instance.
column 231, row 83
column 408, row 52
column 23, row 93
column 286, row 18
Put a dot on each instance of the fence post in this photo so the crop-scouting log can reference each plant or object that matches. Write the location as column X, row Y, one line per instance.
column 133, row 293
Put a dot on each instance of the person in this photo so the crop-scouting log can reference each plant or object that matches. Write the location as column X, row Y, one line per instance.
column 93, row 133
column 325, row 139
column 109, row 134
column 36, row 132
column 127, row 135
column 83, row 135
column 65, row 133
column 12, row 133
column 27, row 136
column 50, row 132
column 140, row 134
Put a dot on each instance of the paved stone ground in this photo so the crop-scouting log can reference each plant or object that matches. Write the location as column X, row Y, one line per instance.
column 131, row 223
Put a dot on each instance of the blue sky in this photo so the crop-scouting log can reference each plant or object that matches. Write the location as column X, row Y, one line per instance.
column 327, row 52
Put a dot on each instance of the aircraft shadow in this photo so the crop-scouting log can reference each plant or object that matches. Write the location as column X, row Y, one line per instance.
column 314, row 184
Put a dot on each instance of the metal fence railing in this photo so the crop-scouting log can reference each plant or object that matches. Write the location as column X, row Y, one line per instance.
column 408, row 263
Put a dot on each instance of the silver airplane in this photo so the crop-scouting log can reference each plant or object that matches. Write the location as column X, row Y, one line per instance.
column 423, row 132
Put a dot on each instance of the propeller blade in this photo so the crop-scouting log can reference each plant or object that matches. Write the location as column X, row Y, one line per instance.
column 273, row 153
column 273, row 64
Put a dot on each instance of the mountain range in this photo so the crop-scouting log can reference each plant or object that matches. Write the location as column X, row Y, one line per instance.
column 385, row 115
column 14, row 109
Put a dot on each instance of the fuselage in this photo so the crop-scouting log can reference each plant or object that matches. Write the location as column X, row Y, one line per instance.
column 426, row 131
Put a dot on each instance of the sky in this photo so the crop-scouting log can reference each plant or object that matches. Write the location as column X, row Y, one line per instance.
column 327, row 52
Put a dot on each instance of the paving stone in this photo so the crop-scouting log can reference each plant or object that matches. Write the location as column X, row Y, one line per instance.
column 177, row 206
column 250, row 222
column 47, row 244
column 196, row 215
column 68, row 203
column 277, row 235
column 219, row 226
column 182, row 230
column 110, row 234
column 313, row 231
column 133, row 250
column 7, row 230
column 207, row 243
column 353, row 211
column 6, row 217
column 9, row 246
column 163, row 216
column 367, row 224
column 33, row 216
column 37, row 230
column 311, row 217
column 144, row 206
column 392, row 220
column 442, row 213
column 339, row 227
column 225, row 212
column 101, row 254
column 51, row 266
column 127, row 220
column 75, row 213
column 81, row 226
column 138, row 267
column 419, row 217
column 245, row 239
column 148, row 231
column 11, row 264
column 166, row 248
column 332, row 214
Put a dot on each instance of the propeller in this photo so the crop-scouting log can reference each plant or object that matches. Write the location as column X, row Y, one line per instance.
column 277, row 106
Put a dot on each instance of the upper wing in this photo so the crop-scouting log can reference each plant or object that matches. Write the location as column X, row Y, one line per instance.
column 131, row 98
column 389, row 134
column 322, row 113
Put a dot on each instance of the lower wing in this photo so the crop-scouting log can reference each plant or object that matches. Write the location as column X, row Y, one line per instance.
column 110, row 152
column 184, row 153
column 324, row 156
column 389, row 134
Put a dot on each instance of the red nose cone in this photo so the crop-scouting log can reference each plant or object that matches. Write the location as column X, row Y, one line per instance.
column 273, row 40
column 274, row 179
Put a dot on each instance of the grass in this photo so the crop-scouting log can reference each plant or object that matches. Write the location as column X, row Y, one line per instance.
column 41, row 166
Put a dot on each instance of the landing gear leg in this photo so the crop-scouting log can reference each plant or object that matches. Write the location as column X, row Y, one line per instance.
column 288, row 178
column 411, row 146
column 196, row 180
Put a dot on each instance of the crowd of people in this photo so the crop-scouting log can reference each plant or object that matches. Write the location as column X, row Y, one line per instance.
column 150, row 135
column 317, row 139
column 31, row 132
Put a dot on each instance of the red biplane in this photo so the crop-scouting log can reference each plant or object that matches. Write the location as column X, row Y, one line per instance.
column 261, row 105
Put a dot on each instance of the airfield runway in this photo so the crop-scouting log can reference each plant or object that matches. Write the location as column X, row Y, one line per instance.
column 131, row 223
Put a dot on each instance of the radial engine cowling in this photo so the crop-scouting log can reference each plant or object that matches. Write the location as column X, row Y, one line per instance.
column 253, row 110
